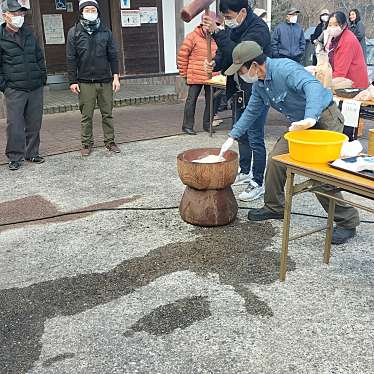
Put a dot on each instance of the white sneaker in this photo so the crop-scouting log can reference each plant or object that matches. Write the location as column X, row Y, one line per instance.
column 242, row 178
column 252, row 192
column 217, row 122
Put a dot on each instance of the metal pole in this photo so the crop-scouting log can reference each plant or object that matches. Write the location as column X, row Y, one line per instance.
column 268, row 11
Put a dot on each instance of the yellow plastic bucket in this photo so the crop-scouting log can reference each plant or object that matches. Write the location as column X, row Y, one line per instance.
column 315, row 146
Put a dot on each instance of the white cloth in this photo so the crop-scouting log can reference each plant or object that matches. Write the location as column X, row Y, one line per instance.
column 302, row 125
column 226, row 146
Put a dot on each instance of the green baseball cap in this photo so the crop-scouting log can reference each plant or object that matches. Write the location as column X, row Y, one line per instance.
column 242, row 53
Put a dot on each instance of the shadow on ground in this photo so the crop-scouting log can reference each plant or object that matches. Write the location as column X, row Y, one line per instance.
column 235, row 253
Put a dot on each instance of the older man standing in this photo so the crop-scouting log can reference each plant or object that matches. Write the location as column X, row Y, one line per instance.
column 92, row 59
column 288, row 38
column 22, row 76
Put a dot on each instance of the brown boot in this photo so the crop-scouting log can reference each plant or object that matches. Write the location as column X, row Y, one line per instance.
column 113, row 147
column 86, row 150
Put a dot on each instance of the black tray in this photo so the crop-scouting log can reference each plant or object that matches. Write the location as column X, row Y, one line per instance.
column 365, row 173
column 348, row 93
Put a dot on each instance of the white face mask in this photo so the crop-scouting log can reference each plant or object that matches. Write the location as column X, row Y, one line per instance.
column 248, row 78
column 324, row 18
column 293, row 19
column 90, row 16
column 334, row 31
column 17, row 21
column 231, row 23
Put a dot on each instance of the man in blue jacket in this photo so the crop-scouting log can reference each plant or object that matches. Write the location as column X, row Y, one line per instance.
column 288, row 88
column 242, row 24
column 288, row 38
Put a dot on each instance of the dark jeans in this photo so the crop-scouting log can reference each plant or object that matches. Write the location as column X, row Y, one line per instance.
column 190, row 106
column 252, row 144
column 24, row 120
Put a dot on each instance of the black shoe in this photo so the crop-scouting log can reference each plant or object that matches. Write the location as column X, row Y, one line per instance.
column 14, row 165
column 207, row 129
column 189, row 131
column 263, row 214
column 36, row 159
column 341, row 235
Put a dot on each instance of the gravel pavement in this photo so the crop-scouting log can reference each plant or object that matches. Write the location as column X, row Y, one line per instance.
column 144, row 292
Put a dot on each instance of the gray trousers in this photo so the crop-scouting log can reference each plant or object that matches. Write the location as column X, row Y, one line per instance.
column 275, row 178
column 24, row 120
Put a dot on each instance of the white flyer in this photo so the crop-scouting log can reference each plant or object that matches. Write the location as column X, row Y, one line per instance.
column 351, row 112
column 53, row 29
column 130, row 18
column 148, row 14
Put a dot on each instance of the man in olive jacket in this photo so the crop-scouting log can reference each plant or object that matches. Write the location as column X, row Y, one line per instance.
column 92, row 59
column 22, row 77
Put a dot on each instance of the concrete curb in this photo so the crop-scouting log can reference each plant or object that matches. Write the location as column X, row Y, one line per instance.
column 120, row 102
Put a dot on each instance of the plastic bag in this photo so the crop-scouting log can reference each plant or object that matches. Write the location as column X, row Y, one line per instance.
column 324, row 70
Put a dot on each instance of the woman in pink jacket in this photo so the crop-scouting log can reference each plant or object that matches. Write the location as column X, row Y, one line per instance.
column 345, row 52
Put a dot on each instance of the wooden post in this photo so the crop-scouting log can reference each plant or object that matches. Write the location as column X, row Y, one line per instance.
column 209, row 44
column 115, row 15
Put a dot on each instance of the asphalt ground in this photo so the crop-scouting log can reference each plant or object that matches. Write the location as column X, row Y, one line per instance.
column 144, row 292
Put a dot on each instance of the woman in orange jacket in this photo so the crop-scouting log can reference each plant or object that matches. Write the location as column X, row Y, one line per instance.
column 191, row 57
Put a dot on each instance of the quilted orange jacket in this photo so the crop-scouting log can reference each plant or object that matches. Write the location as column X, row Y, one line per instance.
column 192, row 55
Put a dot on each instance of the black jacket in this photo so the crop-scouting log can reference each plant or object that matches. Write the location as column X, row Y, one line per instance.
column 252, row 29
column 91, row 58
column 318, row 31
column 22, row 65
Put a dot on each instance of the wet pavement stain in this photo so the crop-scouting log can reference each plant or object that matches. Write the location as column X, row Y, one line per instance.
column 37, row 207
column 235, row 253
column 178, row 315
column 58, row 358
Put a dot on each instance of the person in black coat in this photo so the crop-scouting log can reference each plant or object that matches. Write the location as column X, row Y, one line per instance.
column 358, row 28
column 241, row 24
column 93, row 69
column 22, row 77
column 324, row 18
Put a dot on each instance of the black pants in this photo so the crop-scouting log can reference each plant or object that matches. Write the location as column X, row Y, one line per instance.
column 294, row 58
column 190, row 106
column 24, row 120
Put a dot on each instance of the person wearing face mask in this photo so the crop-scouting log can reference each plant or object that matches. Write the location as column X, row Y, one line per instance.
column 358, row 28
column 22, row 77
column 345, row 52
column 288, row 38
column 324, row 18
column 242, row 24
column 288, row 88
column 92, row 60
column 190, row 60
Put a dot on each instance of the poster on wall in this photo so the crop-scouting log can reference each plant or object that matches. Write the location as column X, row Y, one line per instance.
column 60, row 4
column 69, row 7
column 125, row 4
column 130, row 18
column 148, row 15
column 53, row 29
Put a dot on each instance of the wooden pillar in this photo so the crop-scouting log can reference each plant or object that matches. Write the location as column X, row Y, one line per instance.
column 37, row 23
column 115, row 15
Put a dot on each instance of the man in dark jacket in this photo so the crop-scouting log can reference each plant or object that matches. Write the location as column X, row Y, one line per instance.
column 288, row 38
column 22, row 76
column 92, row 59
column 242, row 25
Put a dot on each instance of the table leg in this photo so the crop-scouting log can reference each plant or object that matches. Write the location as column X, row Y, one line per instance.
column 286, row 224
column 330, row 228
column 211, row 110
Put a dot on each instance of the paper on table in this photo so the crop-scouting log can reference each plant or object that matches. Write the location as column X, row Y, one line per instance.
column 351, row 112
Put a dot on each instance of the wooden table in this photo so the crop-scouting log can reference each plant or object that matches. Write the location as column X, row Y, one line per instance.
column 366, row 112
column 318, row 175
column 213, row 83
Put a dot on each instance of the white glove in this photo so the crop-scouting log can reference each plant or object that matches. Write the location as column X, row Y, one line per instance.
column 302, row 125
column 226, row 146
